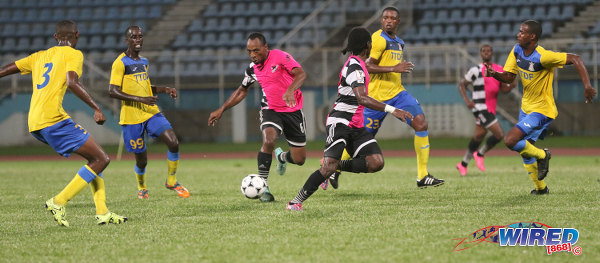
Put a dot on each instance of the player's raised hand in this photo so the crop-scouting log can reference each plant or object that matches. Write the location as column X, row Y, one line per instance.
column 489, row 71
column 214, row 117
column 402, row 115
column 404, row 67
column 289, row 98
column 150, row 100
column 171, row 91
column 589, row 94
column 99, row 117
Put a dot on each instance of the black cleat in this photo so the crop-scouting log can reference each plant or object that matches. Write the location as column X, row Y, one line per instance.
column 544, row 165
column 429, row 181
column 544, row 191
column 333, row 179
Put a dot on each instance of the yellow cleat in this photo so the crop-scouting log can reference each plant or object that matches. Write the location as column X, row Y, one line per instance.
column 58, row 211
column 110, row 218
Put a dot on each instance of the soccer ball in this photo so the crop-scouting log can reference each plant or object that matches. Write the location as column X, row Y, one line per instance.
column 253, row 186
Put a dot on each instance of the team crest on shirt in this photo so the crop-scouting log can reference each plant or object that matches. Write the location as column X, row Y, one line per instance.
column 274, row 68
column 361, row 76
column 531, row 68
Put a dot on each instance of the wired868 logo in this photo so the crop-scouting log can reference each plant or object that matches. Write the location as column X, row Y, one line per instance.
column 525, row 234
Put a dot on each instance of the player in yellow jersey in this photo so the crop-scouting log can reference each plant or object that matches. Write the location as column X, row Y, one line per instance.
column 129, row 83
column 535, row 66
column 53, row 71
column 385, row 66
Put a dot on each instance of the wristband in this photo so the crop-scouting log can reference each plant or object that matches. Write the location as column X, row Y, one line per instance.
column 389, row 108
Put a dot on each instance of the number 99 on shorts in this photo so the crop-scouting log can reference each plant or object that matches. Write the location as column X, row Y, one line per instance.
column 137, row 144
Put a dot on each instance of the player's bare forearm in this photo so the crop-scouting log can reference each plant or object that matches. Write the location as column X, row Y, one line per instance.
column 364, row 99
column 505, row 88
column 75, row 86
column 167, row 90
column 238, row 95
column 462, row 88
column 9, row 69
column 504, row 77
column 117, row 93
column 373, row 66
column 299, row 77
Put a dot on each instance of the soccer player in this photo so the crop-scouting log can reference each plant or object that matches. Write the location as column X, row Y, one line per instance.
column 535, row 66
column 280, row 77
column 483, row 105
column 129, row 83
column 53, row 71
column 345, row 127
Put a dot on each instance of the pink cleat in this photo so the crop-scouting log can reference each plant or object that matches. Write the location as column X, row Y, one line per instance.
column 479, row 161
column 461, row 169
column 325, row 184
column 293, row 207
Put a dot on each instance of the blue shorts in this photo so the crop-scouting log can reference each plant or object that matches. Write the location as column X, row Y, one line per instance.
column 404, row 101
column 533, row 125
column 64, row 137
column 133, row 134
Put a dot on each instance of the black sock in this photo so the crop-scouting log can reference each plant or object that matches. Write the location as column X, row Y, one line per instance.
column 356, row 165
column 473, row 145
column 489, row 144
column 288, row 157
column 311, row 185
column 464, row 164
column 264, row 164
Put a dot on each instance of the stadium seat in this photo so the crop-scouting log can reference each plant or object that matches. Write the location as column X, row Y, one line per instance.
column 252, row 9
column 37, row 29
column 165, row 70
column 181, row 41
column 225, row 23
column 211, row 11
column 497, row 15
column 195, row 26
column 268, row 23
column 22, row 30
column 525, row 13
column 212, row 24
column 155, row 12
column 540, row 14
column 455, row 16
column 469, row 16
column 195, row 41
column 568, row 12
column 110, row 27
column 253, row 24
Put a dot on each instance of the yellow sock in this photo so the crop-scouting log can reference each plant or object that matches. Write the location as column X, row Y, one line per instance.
column 422, row 150
column 533, row 173
column 172, row 176
column 99, row 193
column 531, row 151
column 141, row 180
column 71, row 190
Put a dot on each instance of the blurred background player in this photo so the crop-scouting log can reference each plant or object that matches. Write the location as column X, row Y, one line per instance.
column 385, row 66
column 280, row 77
column 129, row 82
column 483, row 105
column 345, row 127
column 52, row 71
column 535, row 66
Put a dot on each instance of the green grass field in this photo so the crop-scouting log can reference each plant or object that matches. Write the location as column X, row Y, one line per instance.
column 380, row 217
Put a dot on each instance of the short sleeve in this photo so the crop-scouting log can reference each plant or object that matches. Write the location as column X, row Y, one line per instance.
column 551, row 59
column 249, row 76
column 289, row 62
column 24, row 64
column 117, row 73
column 511, row 63
column 74, row 62
column 378, row 47
column 356, row 76
column 472, row 74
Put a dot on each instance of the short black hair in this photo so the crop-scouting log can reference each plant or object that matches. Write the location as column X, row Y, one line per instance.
column 358, row 39
column 260, row 37
column 66, row 27
column 485, row 45
column 534, row 28
column 129, row 28
column 391, row 8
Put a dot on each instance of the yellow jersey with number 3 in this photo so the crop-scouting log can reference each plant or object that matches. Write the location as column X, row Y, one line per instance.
column 537, row 73
column 389, row 52
column 48, row 69
column 132, row 76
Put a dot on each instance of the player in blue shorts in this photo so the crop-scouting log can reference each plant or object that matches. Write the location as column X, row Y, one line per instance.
column 129, row 83
column 53, row 71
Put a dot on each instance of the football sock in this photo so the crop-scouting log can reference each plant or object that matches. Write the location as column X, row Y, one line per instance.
column 99, row 193
column 285, row 157
column 84, row 176
column 264, row 164
column 422, row 149
column 356, row 165
column 529, row 150
column 311, row 185
column 532, row 171
column 173, row 164
column 489, row 144
column 473, row 144
column 140, row 174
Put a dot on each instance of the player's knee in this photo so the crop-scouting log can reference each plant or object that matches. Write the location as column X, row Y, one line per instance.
column 104, row 160
column 510, row 142
column 141, row 164
column 420, row 124
column 269, row 144
column 299, row 160
column 375, row 163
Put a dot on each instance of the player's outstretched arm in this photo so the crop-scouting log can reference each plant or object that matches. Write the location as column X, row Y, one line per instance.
column 75, row 86
column 161, row 89
column 117, row 92
column 462, row 88
column 363, row 99
column 505, row 77
column 402, row 67
column 589, row 92
column 238, row 95
column 299, row 77
column 9, row 69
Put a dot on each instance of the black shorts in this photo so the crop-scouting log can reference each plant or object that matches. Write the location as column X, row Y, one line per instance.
column 290, row 124
column 484, row 118
column 357, row 141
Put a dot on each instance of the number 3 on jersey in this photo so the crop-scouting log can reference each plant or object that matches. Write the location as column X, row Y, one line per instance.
column 45, row 76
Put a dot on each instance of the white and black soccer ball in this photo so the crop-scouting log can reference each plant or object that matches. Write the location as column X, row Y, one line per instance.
column 253, row 186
